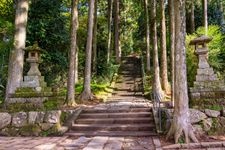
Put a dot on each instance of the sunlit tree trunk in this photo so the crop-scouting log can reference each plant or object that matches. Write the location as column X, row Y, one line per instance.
column 16, row 60
column 76, row 66
column 94, row 46
column 86, row 93
column 117, row 31
column 157, row 89
column 172, row 45
column 148, row 65
column 110, row 9
column 164, row 74
column 73, row 49
column 205, row 15
column 192, row 17
column 181, row 123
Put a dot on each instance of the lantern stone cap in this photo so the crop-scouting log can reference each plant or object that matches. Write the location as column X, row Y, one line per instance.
column 34, row 47
column 201, row 40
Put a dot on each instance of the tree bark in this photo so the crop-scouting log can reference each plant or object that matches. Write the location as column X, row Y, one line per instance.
column 181, row 122
column 157, row 89
column 86, row 93
column 192, row 17
column 73, row 49
column 164, row 74
column 94, row 46
column 117, row 34
column 110, row 9
column 16, row 60
column 172, row 45
column 205, row 15
column 76, row 65
column 148, row 65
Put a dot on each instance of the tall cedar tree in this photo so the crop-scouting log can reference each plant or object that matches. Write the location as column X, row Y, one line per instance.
column 86, row 93
column 205, row 15
column 172, row 45
column 16, row 60
column 117, row 31
column 181, row 121
column 110, row 9
column 73, row 51
column 164, row 74
column 148, row 65
column 94, row 46
column 157, row 89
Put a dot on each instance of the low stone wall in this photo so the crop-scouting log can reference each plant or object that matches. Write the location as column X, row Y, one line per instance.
column 34, row 123
column 203, row 121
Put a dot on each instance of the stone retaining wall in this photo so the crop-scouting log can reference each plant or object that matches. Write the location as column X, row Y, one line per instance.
column 203, row 121
column 33, row 123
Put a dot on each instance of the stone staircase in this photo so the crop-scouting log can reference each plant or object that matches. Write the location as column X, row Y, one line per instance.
column 126, row 113
column 134, row 121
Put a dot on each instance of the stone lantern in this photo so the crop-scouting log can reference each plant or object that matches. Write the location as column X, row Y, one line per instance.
column 34, row 59
column 33, row 78
column 207, row 84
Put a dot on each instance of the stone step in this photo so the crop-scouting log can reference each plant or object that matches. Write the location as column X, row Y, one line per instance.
column 114, row 121
column 112, row 133
column 116, row 115
column 144, row 109
column 113, row 127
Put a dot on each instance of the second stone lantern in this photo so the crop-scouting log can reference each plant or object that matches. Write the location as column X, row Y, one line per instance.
column 207, row 85
column 33, row 79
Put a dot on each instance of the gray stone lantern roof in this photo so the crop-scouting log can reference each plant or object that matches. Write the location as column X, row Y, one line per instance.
column 34, row 48
column 201, row 40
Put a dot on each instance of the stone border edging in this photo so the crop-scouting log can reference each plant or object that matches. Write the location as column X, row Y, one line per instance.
column 196, row 145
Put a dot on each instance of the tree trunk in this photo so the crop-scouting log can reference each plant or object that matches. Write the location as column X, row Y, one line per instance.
column 94, row 46
column 164, row 75
column 181, row 122
column 76, row 66
column 172, row 45
column 205, row 15
column 86, row 93
column 117, row 34
column 148, row 65
column 110, row 9
column 16, row 60
column 73, row 48
column 157, row 89
column 192, row 17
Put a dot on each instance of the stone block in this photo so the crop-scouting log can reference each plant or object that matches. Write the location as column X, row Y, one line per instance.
column 207, row 124
column 208, row 71
column 40, row 117
column 206, row 77
column 45, row 126
column 19, row 119
column 212, row 113
column 195, row 96
column 52, row 117
column 32, row 117
column 196, row 116
column 198, row 129
column 5, row 120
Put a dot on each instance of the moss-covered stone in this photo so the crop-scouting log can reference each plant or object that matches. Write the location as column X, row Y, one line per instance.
column 30, row 130
column 25, row 107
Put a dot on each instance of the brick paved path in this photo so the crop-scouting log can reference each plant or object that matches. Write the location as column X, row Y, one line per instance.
column 82, row 143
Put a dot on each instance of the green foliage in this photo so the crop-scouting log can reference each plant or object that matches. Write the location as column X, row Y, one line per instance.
column 49, row 25
column 216, row 52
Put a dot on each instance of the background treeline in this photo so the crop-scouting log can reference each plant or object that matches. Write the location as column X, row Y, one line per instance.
column 49, row 25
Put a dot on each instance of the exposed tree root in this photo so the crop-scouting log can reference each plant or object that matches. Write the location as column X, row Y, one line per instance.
column 181, row 127
column 86, row 95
